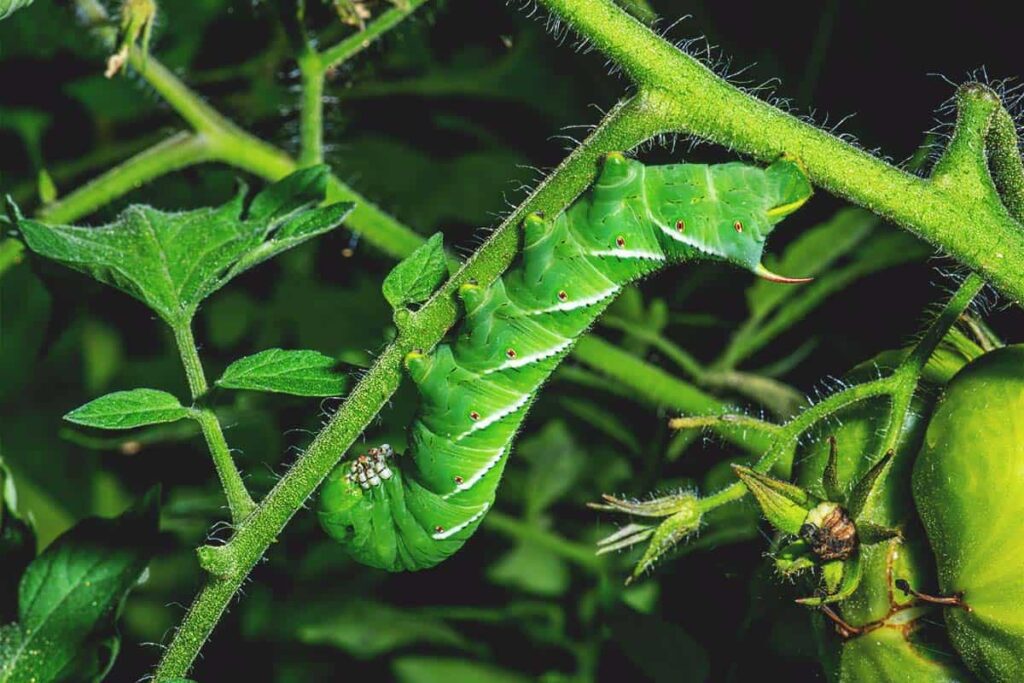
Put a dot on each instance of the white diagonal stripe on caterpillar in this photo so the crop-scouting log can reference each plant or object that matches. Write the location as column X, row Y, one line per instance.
column 494, row 417
column 532, row 358
column 471, row 481
column 573, row 304
column 630, row 253
column 441, row 535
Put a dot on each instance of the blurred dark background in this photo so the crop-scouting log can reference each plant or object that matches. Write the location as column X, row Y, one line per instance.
column 441, row 123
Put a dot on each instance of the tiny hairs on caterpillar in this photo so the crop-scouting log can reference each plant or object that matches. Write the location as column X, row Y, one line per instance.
column 411, row 511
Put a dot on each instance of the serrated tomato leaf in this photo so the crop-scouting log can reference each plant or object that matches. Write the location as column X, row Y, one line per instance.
column 418, row 275
column 172, row 261
column 70, row 595
column 129, row 409
column 300, row 373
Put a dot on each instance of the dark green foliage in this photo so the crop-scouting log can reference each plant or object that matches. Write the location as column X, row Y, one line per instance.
column 300, row 373
column 129, row 409
column 70, row 595
column 172, row 261
column 442, row 123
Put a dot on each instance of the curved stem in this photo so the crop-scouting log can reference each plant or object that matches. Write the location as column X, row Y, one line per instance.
column 962, row 219
column 180, row 150
column 239, row 501
column 357, row 42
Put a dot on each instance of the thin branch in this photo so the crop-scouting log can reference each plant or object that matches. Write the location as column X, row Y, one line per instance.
column 239, row 500
column 232, row 145
column 179, row 151
column 357, row 42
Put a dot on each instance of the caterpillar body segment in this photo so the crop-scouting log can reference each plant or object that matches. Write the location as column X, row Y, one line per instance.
column 476, row 391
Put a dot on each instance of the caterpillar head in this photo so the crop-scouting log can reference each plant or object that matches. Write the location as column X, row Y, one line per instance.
column 721, row 211
column 748, row 203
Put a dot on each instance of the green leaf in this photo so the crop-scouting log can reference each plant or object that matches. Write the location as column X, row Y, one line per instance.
column 9, row 7
column 300, row 373
column 784, row 505
column 172, row 261
column 70, row 595
column 129, row 409
column 533, row 569
column 17, row 544
column 363, row 628
column 418, row 275
column 659, row 648
column 446, row 670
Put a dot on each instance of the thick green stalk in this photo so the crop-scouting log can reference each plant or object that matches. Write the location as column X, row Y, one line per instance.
column 964, row 220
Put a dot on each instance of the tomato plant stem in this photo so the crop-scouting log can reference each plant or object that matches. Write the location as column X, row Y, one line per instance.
column 311, row 115
column 954, row 209
column 239, row 501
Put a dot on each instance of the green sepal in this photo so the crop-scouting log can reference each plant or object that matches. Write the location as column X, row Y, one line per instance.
column 794, row 558
column 840, row 579
column 863, row 489
column 868, row 532
column 668, row 534
column 784, row 505
column 830, row 479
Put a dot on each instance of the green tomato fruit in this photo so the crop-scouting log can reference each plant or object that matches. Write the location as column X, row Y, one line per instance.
column 968, row 485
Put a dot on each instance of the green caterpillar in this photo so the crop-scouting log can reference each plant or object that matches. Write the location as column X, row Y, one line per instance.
column 412, row 512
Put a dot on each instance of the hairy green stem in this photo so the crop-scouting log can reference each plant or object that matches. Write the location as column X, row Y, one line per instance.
column 358, row 42
column 239, row 500
column 311, row 116
column 190, row 360
column 240, row 503
column 789, row 433
column 954, row 211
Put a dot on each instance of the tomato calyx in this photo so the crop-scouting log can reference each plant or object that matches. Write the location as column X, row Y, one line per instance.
column 680, row 514
column 826, row 534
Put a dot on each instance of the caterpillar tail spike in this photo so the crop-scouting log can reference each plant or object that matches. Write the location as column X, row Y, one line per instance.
column 766, row 274
column 476, row 390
